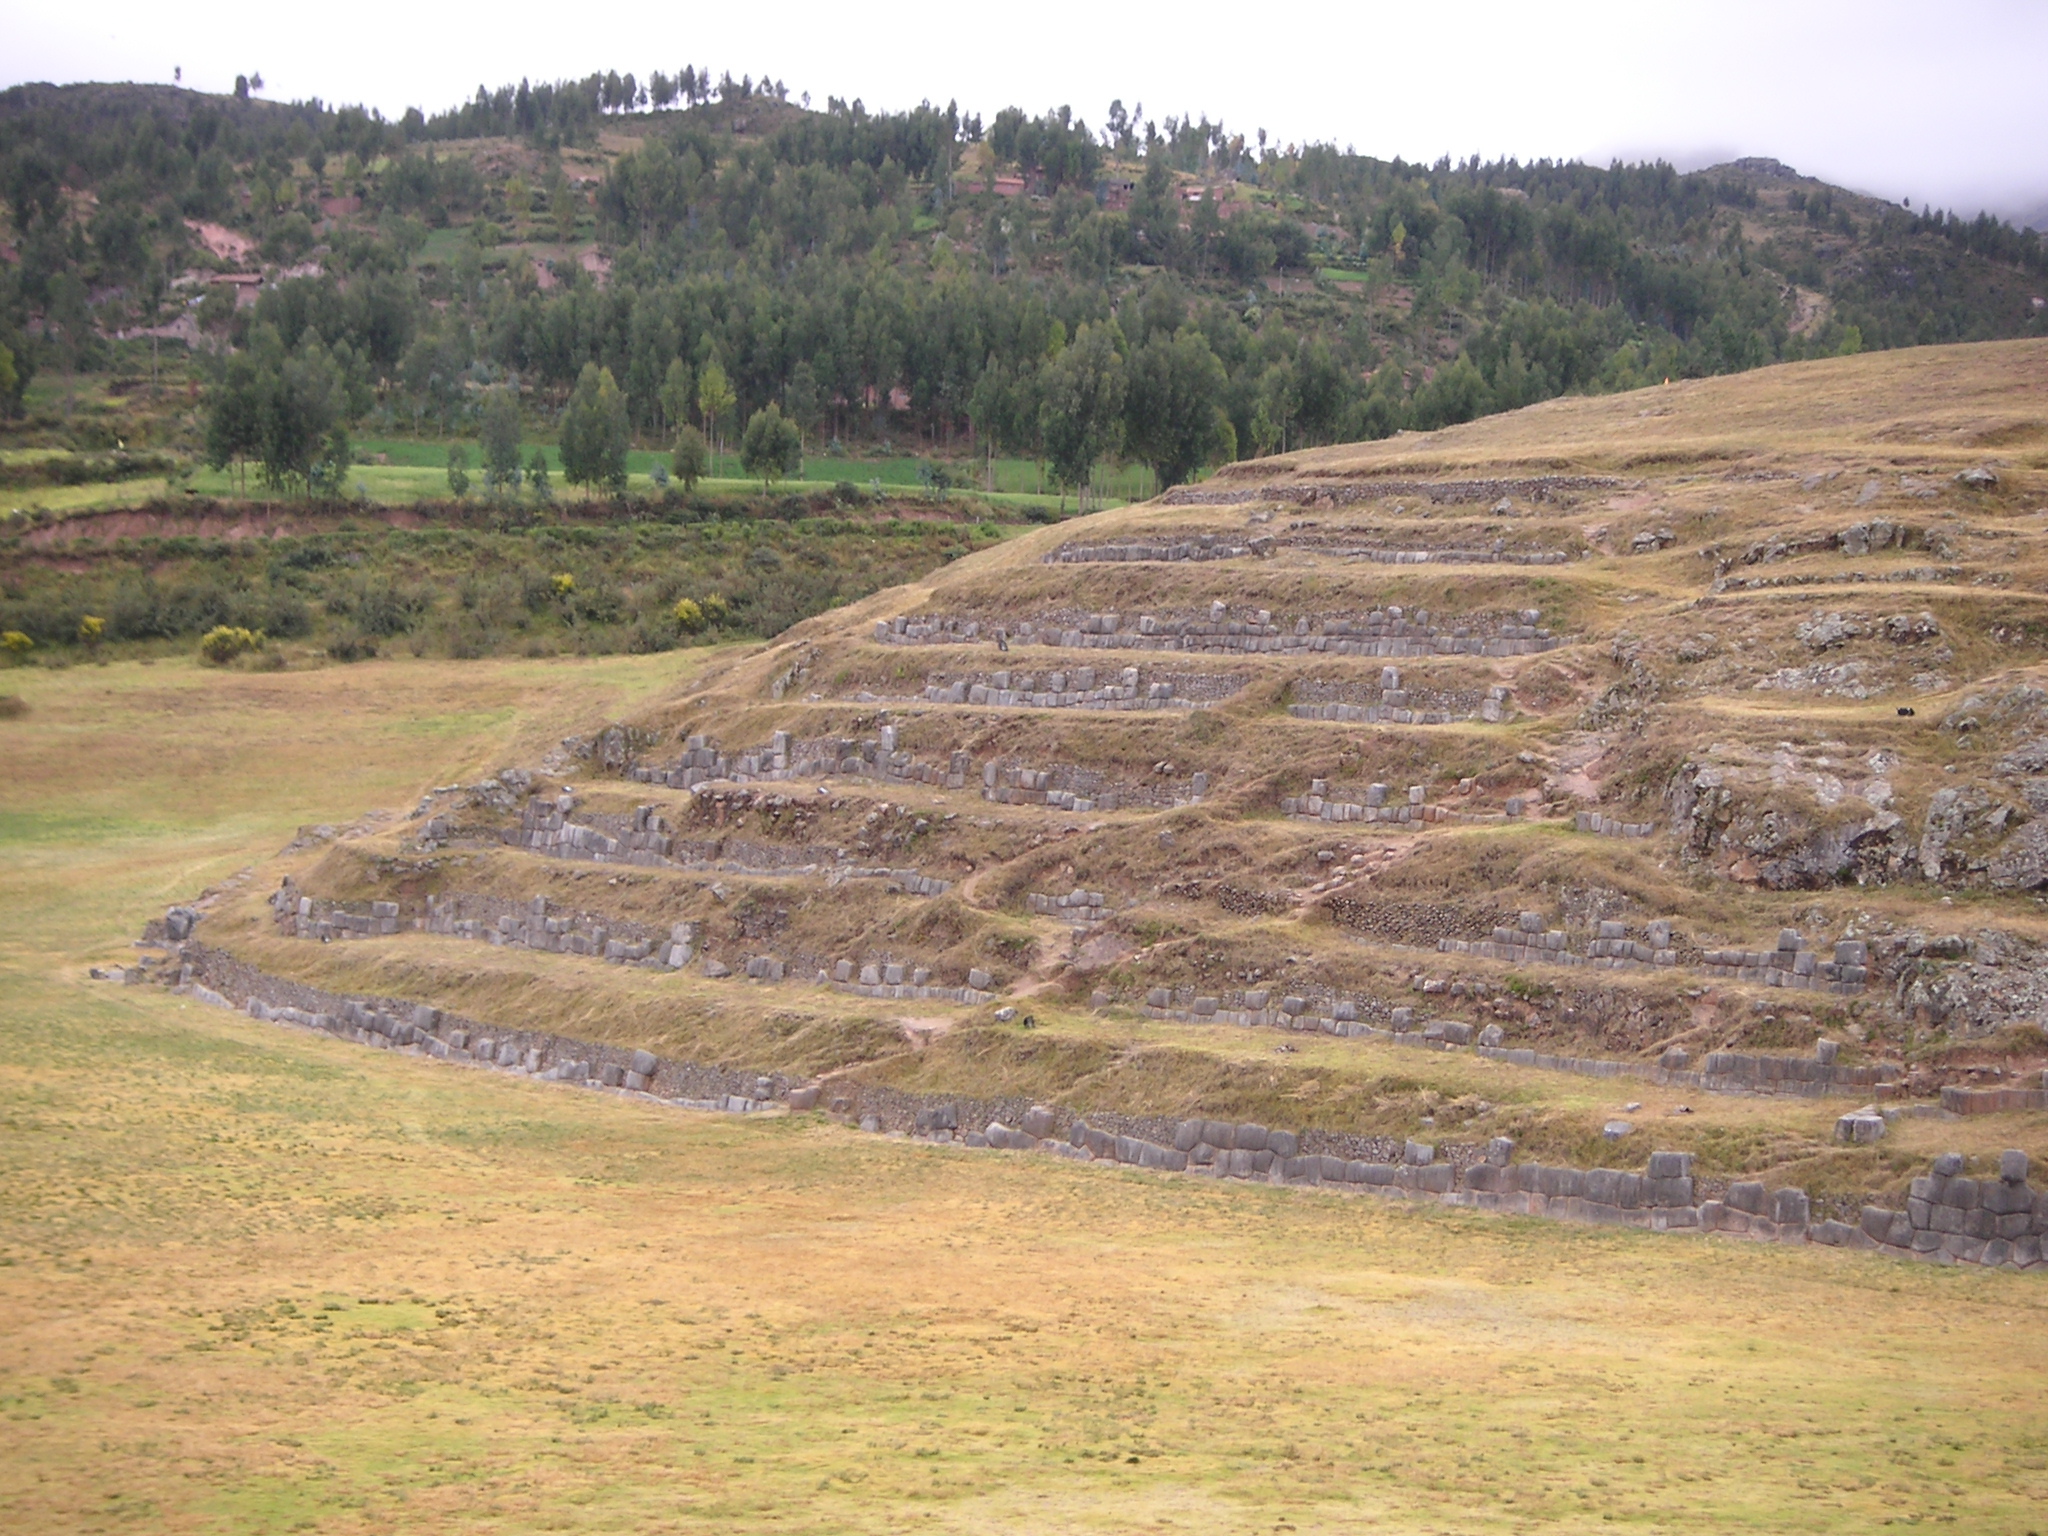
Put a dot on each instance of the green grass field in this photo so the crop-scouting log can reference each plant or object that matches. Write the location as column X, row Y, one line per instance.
column 257, row 1281
column 417, row 470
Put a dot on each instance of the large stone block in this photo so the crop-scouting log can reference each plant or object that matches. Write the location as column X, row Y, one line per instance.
column 1747, row 1196
column 1282, row 1143
column 1670, row 1165
column 1790, row 1208
column 2003, row 1199
column 645, row 1063
column 2012, row 1166
column 1250, row 1138
column 1038, row 1121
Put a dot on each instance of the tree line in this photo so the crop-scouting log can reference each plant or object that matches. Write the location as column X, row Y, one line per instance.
column 838, row 266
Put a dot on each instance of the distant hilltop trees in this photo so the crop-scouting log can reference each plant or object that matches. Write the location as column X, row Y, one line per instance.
column 1197, row 293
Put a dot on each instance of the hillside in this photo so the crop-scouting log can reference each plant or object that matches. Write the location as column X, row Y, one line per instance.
column 903, row 282
column 1692, row 736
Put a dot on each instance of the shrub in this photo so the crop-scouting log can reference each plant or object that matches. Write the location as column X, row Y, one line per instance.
column 352, row 647
column 15, row 643
column 224, row 642
column 563, row 585
column 689, row 616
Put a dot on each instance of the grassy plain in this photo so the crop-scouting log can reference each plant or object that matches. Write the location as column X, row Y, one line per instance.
column 257, row 1281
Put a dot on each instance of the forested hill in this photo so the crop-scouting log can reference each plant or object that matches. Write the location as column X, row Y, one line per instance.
column 1043, row 286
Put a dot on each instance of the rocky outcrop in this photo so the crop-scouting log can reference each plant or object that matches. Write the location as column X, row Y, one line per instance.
column 1782, row 840
column 1962, row 829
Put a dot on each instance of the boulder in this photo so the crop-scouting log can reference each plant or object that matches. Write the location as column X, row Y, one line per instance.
column 2020, row 863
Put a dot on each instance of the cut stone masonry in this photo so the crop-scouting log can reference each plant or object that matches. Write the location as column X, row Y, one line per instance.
column 1382, row 633
column 1949, row 1218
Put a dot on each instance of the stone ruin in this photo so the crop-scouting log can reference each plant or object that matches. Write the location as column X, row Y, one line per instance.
column 1610, row 826
column 1081, row 688
column 1409, row 811
column 646, row 839
column 1163, row 547
column 1396, row 704
column 1210, row 546
column 1083, row 909
column 1387, row 633
column 1790, row 965
column 1949, row 1217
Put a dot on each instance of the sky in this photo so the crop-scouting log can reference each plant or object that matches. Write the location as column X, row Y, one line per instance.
column 1938, row 103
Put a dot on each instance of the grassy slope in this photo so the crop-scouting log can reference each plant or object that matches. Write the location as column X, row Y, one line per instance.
column 256, row 1281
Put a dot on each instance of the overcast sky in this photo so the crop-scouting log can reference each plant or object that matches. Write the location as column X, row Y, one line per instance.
column 1942, row 103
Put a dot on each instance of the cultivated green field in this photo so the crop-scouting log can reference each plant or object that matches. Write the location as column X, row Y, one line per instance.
column 415, row 468
column 252, row 1280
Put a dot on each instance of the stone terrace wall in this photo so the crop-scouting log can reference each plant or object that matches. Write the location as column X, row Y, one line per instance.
column 645, row 838
column 1791, row 964
column 1382, row 633
column 1165, row 546
column 1207, row 546
column 1353, row 492
column 1372, row 1018
column 1064, row 786
column 1949, row 1218
column 1392, row 702
column 1081, row 688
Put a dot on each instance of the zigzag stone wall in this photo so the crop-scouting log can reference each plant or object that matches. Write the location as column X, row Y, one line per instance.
column 1371, row 1018
column 529, row 925
column 1389, row 633
column 1949, row 1218
column 1080, row 688
column 1319, row 699
column 646, row 839
column 1208, row 546
column 1351, row 492
column 1065, row 787
column 1791, row 964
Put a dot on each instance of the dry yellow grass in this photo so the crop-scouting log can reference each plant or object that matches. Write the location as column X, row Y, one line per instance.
column 252, row 1280
column 256, row 1281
